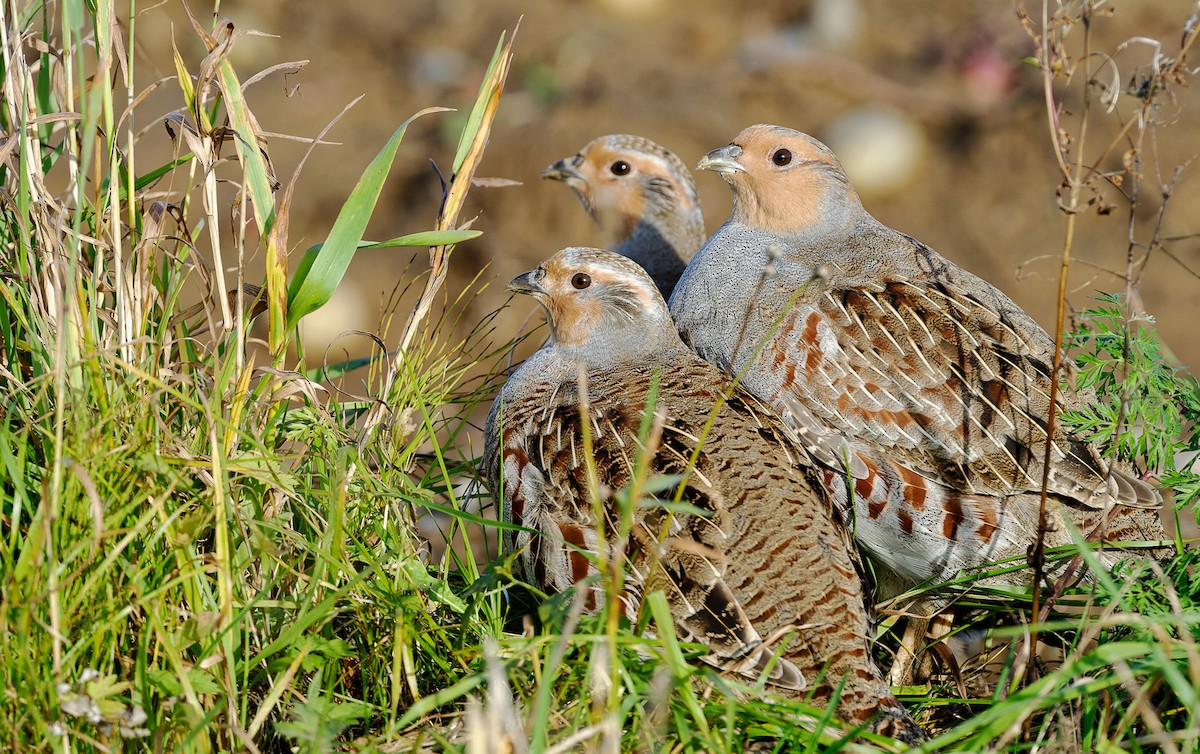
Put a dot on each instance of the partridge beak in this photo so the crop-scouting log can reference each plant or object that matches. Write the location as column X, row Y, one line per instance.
column 722, row 160
column 564, row 170
column 528, row 283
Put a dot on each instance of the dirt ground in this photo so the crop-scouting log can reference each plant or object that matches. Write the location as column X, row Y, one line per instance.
column 963, row 128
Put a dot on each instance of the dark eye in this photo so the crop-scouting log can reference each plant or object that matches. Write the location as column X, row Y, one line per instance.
column 620, row 167
column 781, row 157
column 581, row 280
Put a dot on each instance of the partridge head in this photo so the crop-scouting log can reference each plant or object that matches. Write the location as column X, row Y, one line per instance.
column 602, row 309
column 643, row 199
column 785, row 183
column 757, row 568
column 924, row 384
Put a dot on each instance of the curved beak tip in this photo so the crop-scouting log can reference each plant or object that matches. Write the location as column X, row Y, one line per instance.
column 524, row 283
column 722, row 160
column 559, row 171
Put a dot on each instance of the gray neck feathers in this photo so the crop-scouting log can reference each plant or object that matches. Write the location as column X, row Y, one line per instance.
column 668, row 235
column 624, row 341
column 678, row 218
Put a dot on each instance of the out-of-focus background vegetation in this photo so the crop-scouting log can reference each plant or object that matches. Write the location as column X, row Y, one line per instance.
column 929, row 104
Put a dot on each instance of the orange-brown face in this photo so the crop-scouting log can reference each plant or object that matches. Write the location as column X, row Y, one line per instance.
column 584, row 289
column 781, row 178
column 610, row 176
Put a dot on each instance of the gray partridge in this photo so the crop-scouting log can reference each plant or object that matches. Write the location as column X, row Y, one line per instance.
column 758, row 569
column 643, row 199
column 921, row 389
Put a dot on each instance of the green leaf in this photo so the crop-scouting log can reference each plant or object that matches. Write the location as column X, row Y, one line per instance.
column 435, row 588
column 320, row 273
column 256, row 179
column 319, row 718
column 202, row 682
column 469, row 517
column 334, row 371
column 105, row 686
column 426, row 238
column 154, row 175
column 423, row 238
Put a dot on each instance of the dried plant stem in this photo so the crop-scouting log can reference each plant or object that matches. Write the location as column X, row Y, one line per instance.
column 1038, row 557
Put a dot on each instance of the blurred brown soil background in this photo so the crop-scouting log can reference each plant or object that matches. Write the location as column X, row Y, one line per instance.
column 940, row 124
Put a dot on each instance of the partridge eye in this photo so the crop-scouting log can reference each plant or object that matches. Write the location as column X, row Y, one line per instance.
column 781, row 157
column 581, row 280
column 620, row 167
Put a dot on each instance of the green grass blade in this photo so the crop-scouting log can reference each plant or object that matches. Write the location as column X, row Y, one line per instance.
column 314, row 283
column 246, row 143
column 427, row 704
column 423, row 238
column 149, row 178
